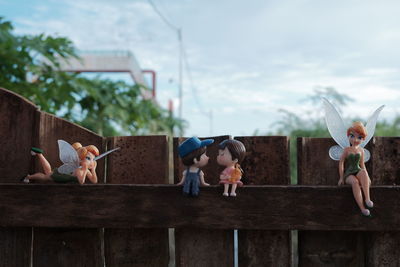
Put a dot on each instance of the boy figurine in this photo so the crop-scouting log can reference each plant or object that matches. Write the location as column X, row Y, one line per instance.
column 193, row 154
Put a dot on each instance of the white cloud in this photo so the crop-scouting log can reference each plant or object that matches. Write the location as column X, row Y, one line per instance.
column 247, row 60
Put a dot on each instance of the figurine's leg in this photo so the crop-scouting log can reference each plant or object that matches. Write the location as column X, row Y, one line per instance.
column 365, row 184
column 39, row 177
column 45, row 164
column 195, row 188
column 226, row 188
column 233, row 190
column 355, row 185
column 186, row 187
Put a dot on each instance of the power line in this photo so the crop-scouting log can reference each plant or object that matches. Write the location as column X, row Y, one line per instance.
column 183, row 60
column 193, row 88
column 172, row 26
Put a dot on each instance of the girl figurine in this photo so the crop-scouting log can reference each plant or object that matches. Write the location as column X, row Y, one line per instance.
column 230, row 154
column 351, row 153
column 79, row 163
column 67, row 173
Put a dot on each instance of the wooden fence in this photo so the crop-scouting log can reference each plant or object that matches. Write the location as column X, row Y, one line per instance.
column 124, row 220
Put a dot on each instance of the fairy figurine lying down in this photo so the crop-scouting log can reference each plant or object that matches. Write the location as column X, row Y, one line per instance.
column 351, row 154
column 79, row 163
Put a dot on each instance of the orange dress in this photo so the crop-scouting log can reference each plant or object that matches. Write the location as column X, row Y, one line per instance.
column 234, row 174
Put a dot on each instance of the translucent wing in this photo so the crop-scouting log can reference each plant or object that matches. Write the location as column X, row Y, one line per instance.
column 367, row 155
column 67, row 169
column 106, row 153
column 68, row 156
column 335, row 124
column 335, row 152
column 371, row 124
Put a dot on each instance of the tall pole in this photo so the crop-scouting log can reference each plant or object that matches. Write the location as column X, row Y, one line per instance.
column 180, row 78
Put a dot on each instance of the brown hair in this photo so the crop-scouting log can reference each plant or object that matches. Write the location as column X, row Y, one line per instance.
column 358, row 128
column 195, row 154
column 235, row 147
column 82, row 151
column 238, row 151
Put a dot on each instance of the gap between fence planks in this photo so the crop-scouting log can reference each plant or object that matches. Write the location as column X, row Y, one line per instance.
column 266, row 163
column 141, row 160
column 195, row 246
column 163, row 206
column 336, row 248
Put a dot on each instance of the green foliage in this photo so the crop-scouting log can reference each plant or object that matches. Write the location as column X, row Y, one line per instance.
column 29, row 66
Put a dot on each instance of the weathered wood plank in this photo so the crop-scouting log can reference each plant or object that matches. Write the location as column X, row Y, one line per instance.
column 332, row 248
column 70, row 247
column 203, row 247
column 16, row 138
column 266, row 163
column 382, row 247
column 163, row 206
column 218, row 244
column 141, row 160
column 67, row 247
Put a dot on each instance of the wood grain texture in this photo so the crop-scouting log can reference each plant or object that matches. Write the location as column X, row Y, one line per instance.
column 332, row 248
column 162, row 206
column 17, row 126
column 82, row 246
column 382, row 247
column 141, row 160
column 205, row 247
column 217, row 246
column 266, row 163
column 67, row 247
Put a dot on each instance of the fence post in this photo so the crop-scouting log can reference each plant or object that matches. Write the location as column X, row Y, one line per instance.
column 141, row 160
column 266, row 163
column 203, row 247
column 17, row 126
column 66, row 246
column 325, row 248
column 383, row 247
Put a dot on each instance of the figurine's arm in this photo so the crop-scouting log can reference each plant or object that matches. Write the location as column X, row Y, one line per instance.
column 362, row 163
column 202, row 179
column 341, row 167
column 81, row 173
column 223, row 176
column 183, row 178
column 91, row 174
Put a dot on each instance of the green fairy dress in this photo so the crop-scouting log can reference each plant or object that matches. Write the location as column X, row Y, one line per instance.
column 352, row 164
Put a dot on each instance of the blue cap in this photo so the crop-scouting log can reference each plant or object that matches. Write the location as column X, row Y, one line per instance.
column 191, row 144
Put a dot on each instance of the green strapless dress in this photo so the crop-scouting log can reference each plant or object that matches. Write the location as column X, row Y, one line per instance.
column 352, row 164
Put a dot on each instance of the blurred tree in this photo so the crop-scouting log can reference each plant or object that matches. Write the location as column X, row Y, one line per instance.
column 29, row 66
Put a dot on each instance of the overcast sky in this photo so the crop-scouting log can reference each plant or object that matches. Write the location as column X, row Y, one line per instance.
column 248, row 59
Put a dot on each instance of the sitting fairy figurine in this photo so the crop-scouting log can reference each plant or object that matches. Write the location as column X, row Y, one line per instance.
column 230, row 154
column 351, row 153
column 193, row 155
column 79, row 163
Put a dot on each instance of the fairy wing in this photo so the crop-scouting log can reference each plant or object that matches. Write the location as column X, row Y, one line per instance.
column 106, row 153
column 371, row 125
column 335, row 152
column 367, row 155
column 68, row 156
column 335, row 124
